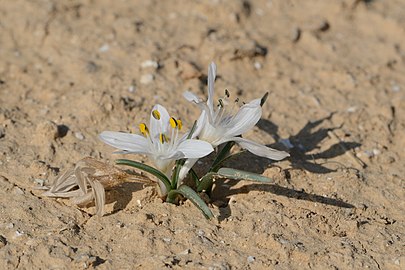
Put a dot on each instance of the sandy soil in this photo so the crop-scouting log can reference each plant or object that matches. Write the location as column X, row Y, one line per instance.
column 335, row 74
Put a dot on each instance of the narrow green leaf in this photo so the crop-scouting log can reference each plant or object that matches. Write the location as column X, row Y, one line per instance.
column 190, row 194
column 175, row 175
column 195, row 177
column 206, row 182
column 222, row 155
column 193, row 128
column 243, row 175
column 161, row 176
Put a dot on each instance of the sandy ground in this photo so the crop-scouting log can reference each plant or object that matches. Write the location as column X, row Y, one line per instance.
column 335, row 74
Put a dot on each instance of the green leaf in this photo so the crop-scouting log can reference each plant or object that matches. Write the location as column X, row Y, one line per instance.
column 222, row 156
column 175, row 175
column 193, row 128
column 206, row 182
column 195, row 177
column 190, row 194
column 161, row 176
column 243, row 175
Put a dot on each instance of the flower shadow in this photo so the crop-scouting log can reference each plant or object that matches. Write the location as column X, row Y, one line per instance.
column 222, row 192
column 301, row 146
column 122, row 195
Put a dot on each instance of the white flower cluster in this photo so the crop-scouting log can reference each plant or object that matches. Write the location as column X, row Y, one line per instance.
column 162, row 142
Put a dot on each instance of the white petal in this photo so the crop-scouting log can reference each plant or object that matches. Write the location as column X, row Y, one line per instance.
column 194, row 148
column 191, row 97
column 245, row 119
column 200, row 124
column 212, row 70
column 260, row 150
column 158, row 126
column 125, row 141
column 185, row 169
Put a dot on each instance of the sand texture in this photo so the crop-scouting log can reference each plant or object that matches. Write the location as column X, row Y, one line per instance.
column 335, row 73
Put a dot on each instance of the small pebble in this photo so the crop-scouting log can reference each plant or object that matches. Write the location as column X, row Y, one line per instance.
column 79, row 135
column 18, row 191
column 185, row 252
column 3, row 241
column 251, row 259
column 149, row 63
column 147, row 78
column 19, row 234
column 167, row 239
column 351, row 109
column 296, row 35
column 104, row 48
column 395, row 88
column 48, row 129
column 257, row 65
column 131, row 88
column 39, row 182
column 2, row 132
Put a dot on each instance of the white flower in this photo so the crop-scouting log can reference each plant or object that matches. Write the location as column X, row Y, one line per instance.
column 221, row 125
column 162, row 143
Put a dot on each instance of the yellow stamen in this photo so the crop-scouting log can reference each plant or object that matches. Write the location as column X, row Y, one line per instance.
column 163, row 138
column 179, row 124
column 173, row 122
column 144, row 129
column 156, row 114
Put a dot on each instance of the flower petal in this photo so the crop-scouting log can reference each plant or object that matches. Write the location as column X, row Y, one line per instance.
column 259, row 149
column 191, row 97
column 160, row 125
column 245, row 119
column 131, row 143
column 212, row 70
column 194, row 148
column 200, row 124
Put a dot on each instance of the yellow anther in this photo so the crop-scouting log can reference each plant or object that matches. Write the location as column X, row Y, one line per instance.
column 179, row 124
column 227, row 93
column 221, row 103
column 144, row 129
column 163, row 138
column 156, row 114
column 173, row 122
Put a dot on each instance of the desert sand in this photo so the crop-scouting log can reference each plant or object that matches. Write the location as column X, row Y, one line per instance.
column 334, row 71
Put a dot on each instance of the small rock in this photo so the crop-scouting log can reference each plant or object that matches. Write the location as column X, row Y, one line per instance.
column 149, row 63
column 39, row 182
column 323, row 26
column 131, row 88
column 396, row 88
column 3, row 241
column 79, row 135
column 48, row 130
column 296, row 35
column 257, row 65
column 147, row 78
column 18, row 233
column 92, row 67
column 104, row 48
column 18, row 191
column 251, row 259
column 185, row 252
column 2, row 132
